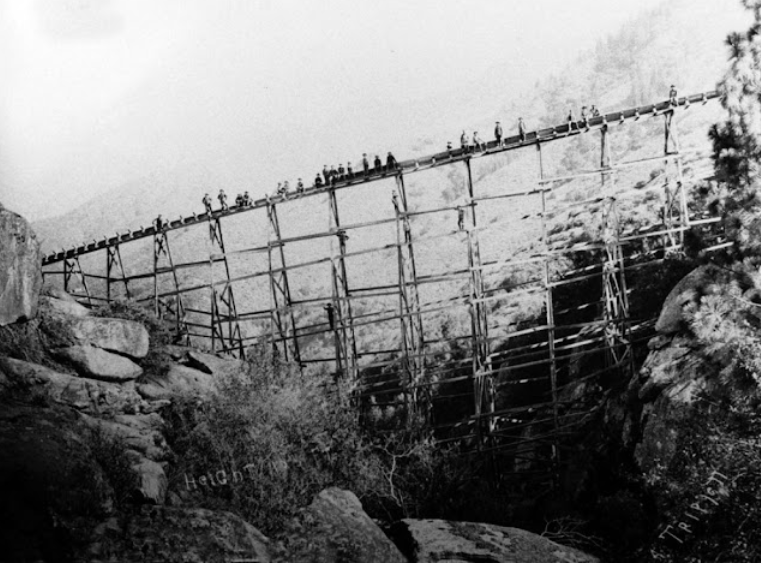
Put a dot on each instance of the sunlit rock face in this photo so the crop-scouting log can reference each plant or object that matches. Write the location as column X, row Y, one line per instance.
column 20, row 268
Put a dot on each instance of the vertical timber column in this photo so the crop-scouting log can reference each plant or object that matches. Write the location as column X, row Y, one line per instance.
column 73, row 269
column 413, row 343
column 282, row 312
column 616, row 300
column 550, row 318
column 483, row 383
column 161, row 249
column 224, row 316
column 676, row 214
column 344, row 320
column 114, row 259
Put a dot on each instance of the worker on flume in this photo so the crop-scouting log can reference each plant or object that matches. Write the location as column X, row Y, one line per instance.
column 464, row 141
column 673, row 95
column 521, row 129
column 498, row 134
column 222, row 197
column 318, row 181
column 207, row 202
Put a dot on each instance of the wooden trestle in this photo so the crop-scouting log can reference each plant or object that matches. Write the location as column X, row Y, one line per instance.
column 410, row 364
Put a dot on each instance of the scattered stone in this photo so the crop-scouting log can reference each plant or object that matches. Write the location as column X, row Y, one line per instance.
column 177, row 534
column 99, row 364
column 436, row 540
column 335, row 528
column 20, row 269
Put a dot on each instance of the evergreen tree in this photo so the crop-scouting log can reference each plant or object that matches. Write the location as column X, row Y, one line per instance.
column 737, row 141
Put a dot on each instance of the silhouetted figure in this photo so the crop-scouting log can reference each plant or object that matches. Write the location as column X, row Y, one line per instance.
column 365, row 164
column 390, row 162
column 247, row 201
column 449, row 149
column 478, row 145
column 239, row 199
column 464, row 142
column 498, row 134
column 222, row 197
column 300, row 186
column 594, row 111
column 377, row 165
column 331, row 316
column 460, row 218
column 395, row 200
column 326, row 174
column 207, row 202
column 521, row 130
column 585, row 117
column 570, row 120
column 673, row 95
column 318, row 181
column 341, row 172
column 349, row 171
column 159, row 224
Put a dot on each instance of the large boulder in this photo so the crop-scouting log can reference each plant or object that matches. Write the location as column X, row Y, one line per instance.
column 176, row 534
column 121, row 336
column 436, row 540
column 685, row 296
column 178, row 381
column 99, row 364
column 30, row 381
column 335, row 528
column 152, row 481
column 20, row 269
column 58, row 306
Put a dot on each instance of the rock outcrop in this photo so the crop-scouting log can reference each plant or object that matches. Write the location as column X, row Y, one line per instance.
column 335, row 528
column 176, row 534
column 20, row 269
column 178, row 381
column 436, row 540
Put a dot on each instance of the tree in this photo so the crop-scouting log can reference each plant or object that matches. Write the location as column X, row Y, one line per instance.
column 737, row 141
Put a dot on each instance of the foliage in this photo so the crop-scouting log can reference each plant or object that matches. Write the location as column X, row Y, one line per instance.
column 290, row 436
column 110, row 453
column 737, row 141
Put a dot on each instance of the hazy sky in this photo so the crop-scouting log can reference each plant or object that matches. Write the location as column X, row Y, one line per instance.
column 97, row 93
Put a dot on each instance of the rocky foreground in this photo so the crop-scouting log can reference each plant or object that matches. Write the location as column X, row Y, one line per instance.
column 76, row 386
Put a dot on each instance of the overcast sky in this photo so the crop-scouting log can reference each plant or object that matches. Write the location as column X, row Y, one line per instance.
column 95, row 93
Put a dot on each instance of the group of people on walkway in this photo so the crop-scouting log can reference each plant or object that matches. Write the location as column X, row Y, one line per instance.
column 332, row 176
column 478, row 145
column 241, row 201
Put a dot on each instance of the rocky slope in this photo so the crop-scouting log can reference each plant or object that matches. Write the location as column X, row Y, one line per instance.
column 83, row 474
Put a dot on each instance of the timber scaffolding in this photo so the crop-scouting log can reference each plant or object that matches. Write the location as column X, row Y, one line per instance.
column 427, row 372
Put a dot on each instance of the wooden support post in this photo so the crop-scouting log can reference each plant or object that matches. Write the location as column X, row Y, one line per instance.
column 483, row 385
column 676, row 212
column 224, row 318
column 73, row 269
column 342, row 295
column 413, row 342
column 177, row 310
column 113, row 260
column 615, row 298
column 550, row 319
column 605, row 159
column 283, row 318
